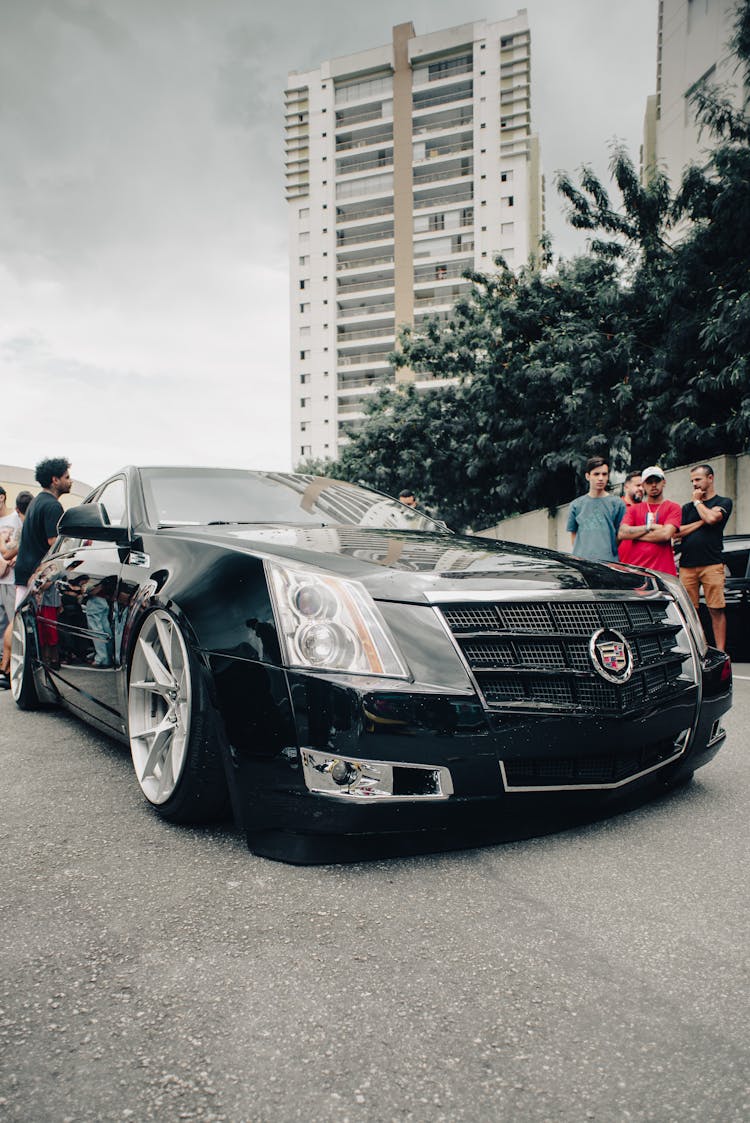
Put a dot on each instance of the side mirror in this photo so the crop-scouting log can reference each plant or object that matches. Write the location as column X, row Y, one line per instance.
column 89, row 521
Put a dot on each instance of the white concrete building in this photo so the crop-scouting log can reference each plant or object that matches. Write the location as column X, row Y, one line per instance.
column 691, row 51
column 406, row 165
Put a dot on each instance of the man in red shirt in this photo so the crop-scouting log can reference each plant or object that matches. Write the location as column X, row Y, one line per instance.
column 650, row 526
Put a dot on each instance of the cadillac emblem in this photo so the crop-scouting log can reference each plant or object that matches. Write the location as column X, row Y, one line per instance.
column 611, row 655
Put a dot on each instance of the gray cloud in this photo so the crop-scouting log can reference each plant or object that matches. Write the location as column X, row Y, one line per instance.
column 142, row 213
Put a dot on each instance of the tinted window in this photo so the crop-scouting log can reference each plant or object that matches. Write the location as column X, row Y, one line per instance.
column 179, row 496
column 112, row 499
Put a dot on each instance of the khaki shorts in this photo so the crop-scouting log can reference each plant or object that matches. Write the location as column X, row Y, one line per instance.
column 711, row 577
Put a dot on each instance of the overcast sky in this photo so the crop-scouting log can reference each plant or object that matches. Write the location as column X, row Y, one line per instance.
column 143, row 247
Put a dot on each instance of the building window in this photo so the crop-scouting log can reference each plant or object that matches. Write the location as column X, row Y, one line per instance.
column 304, row 355
column 304, row 236
column 303, row 283
column 506, row 229
column 304, row 212
column 305, row 259
column 305, row 331
column 507, row 200
column 305, row 450
column 304, row 402
column 304, row 307
column 506, row 177
column 304, row 378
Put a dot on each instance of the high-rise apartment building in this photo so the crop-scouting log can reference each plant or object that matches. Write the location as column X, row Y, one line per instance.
column 406, row 165
column 691, row 51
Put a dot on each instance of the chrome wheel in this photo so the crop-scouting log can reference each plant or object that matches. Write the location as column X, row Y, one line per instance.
column 159, row 707
column 17, row 657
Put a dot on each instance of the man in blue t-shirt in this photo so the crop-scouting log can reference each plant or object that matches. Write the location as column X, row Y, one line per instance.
column 595, row 518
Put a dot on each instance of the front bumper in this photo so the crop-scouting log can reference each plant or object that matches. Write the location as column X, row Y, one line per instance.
column 355, row 719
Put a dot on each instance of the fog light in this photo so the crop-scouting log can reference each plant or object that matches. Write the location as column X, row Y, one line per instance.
column 341, row 772
column 367, row 780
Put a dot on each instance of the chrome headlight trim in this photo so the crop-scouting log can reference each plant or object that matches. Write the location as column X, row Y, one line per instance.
column 328, row 623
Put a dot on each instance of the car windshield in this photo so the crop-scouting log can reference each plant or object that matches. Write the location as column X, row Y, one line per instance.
column 197, row 496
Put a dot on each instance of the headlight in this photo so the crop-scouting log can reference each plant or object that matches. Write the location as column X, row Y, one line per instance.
column 679, row 592
column 331, row 624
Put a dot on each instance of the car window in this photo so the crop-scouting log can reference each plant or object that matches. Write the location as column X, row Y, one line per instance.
column 179, row 496
column 113, row 499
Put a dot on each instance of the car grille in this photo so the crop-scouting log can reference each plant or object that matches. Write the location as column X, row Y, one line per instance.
column 535, row 654
column 589, row 771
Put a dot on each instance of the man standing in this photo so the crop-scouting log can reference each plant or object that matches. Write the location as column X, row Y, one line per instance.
column 632, row 492
column 702, row 534
column 8, row 553
column 10, row 524
column 595, row 517
column 632, row 489
column 650, row 526
column 40, row 524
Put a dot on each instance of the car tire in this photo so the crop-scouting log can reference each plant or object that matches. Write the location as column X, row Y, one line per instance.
column 22, row 685
column 173, row 744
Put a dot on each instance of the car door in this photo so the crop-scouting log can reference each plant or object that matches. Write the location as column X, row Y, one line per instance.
column 87, row 578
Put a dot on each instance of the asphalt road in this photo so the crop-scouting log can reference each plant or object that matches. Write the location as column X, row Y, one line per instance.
column 153, row 972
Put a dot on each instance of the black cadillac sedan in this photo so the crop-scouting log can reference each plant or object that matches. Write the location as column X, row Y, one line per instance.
column 330, row 662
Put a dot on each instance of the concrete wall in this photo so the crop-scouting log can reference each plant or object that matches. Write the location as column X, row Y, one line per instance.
column 538, row 528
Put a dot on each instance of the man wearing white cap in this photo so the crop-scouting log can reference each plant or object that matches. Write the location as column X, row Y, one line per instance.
column 650, row 526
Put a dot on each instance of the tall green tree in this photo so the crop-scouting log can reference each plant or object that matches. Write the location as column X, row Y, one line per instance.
column 637, row 349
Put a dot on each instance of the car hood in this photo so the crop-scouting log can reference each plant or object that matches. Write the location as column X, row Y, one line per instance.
column 416, row 567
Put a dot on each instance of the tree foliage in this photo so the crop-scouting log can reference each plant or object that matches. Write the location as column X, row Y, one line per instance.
column 637, row 349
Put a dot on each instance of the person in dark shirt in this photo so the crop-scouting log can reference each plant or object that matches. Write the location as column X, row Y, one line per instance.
column 702, row 534
column 40, row 524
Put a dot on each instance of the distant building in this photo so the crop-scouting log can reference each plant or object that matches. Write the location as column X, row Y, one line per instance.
column 406, row 165
column 691, row 51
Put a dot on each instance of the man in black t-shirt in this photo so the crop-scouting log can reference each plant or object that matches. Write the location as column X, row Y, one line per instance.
column 701, row 560
column 40, row 525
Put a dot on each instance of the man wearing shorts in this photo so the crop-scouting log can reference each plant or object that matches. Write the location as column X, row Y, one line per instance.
column 702, row 534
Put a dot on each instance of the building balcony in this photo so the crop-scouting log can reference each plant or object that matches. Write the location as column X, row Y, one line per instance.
column 367, row 88
column 444, row 296
column 424, row 174
column 374, row 309
column 372, row 283
column 357, row 235
column 372, row 381
column 447, row 120
column 433, row 150
column 443, row 197
column 360, row 358
column 442, row 70
column 448, row 95
column 364, row 260
column 445, row 222
column 383, row 134
column 375, row 331
column 459, row 245
column 350, row 164
column 441, row 271
column 356, row 212
column 377, row 111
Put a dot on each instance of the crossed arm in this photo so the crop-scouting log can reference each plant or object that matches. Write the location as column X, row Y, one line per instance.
column 709, row 516
column 8, row 548
column 657, row 533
